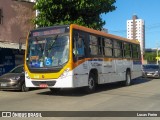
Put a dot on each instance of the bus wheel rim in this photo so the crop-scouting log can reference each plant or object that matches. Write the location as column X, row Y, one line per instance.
column 128, row 78
column 91, row 83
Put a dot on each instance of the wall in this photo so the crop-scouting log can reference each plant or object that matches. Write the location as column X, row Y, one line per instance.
column 17, row 18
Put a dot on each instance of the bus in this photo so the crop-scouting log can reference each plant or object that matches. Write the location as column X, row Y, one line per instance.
column 72, row 56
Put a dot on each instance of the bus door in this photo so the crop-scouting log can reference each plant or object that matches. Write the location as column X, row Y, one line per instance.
column 79, row 58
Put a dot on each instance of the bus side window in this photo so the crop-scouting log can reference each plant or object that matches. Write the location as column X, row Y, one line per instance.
column 78, row 46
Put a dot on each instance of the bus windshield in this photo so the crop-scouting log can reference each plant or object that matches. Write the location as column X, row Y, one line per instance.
column 48, row 51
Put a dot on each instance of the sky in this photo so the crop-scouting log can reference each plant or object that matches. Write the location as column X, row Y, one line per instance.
column 148, row 10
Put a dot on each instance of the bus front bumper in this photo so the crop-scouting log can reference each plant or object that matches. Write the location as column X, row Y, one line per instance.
column 66, row 82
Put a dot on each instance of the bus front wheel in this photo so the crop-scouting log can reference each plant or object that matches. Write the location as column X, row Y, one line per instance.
column 91, row 84
column 24, row 88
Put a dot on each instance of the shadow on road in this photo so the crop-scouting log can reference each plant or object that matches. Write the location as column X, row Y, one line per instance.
column 73, row 92
column 76, row 92
column 141, row 81
column 116, row 85
column 8, row 90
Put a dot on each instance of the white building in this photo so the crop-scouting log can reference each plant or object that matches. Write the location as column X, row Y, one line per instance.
column 136, row 30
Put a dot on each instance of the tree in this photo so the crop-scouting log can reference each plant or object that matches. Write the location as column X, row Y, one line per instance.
column 83, row 12
column 150, row 56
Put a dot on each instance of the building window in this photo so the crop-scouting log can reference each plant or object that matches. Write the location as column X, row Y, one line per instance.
column 1, row 16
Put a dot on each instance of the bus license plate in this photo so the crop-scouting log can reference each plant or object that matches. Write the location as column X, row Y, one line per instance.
column 43, row 85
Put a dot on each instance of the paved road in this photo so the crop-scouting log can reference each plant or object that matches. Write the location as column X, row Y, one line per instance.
column 142, row 95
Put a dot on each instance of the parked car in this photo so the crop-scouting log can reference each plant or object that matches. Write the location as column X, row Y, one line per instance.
column 151, row 70
column 14, row 80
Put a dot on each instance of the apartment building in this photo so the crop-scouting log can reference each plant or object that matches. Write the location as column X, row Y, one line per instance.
column 136, row 30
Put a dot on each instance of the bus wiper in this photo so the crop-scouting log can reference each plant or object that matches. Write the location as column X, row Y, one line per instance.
column 61, row 65
column 53, row 42
column 56, row 37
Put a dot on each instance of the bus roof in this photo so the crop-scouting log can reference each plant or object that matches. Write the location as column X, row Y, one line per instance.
column 103, row 33
column 90, row 31
column 50, row 27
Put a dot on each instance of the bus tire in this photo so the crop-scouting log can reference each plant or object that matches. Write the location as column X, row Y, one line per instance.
column 91, row 84
column 55, row 90
column 127, row 82
column 24, row 88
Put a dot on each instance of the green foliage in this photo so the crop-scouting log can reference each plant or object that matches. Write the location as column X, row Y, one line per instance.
column 83, row 12
column 150, row 56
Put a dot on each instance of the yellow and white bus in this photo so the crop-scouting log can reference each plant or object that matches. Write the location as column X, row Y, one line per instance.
column 72, row 56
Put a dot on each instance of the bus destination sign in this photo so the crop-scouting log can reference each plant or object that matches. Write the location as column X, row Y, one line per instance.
column 48, row 32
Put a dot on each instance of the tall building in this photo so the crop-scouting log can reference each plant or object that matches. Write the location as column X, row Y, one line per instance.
column 136, row 30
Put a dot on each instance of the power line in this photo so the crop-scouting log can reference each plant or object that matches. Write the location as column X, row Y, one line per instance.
column 147, row 28
column 118, row 31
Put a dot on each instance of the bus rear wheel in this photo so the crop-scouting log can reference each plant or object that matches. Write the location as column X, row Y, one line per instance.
column 127, row 82
column 91, row 84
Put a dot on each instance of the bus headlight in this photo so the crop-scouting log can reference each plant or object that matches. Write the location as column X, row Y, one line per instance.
column 65, row 73
column 26, row 74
